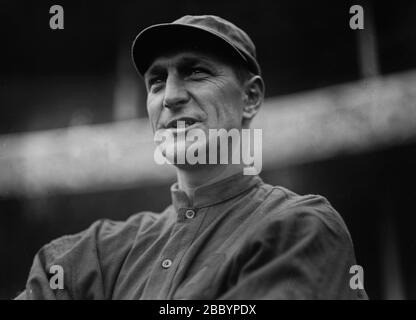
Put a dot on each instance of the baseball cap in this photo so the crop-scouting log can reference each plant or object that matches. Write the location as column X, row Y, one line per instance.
column 206, row 31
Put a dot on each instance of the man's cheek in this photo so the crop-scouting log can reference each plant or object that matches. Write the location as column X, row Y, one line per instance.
column 153, row 118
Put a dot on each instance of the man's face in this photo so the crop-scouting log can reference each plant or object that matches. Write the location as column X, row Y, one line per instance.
column 194, row 87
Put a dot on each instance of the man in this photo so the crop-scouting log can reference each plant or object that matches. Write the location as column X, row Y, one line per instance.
column 227, row 235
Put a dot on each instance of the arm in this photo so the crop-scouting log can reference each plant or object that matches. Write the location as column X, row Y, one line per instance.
column 77, row 255
column 301, row 254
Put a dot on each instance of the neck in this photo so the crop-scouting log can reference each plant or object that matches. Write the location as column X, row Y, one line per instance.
column 189, row 180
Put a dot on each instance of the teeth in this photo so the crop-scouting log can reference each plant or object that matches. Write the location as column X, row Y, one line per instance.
column 187, row 123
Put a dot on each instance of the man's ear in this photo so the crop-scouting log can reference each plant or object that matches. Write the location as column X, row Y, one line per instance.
column 253, row 98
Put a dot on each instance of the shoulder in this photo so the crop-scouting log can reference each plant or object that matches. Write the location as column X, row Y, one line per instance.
column 283, row 209
column 301, row 243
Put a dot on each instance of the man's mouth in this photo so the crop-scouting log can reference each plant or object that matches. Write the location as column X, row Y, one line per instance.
column 187, row 122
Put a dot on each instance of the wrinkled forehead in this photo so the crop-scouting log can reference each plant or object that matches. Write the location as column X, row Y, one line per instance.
column 183, row 58
column 207, row 53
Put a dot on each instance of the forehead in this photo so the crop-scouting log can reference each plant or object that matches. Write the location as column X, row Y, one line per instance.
column 178, row 58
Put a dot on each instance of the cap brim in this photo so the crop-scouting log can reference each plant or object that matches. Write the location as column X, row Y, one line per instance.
column 161, row 38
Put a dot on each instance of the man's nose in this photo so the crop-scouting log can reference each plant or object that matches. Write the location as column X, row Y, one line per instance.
column 176, row 94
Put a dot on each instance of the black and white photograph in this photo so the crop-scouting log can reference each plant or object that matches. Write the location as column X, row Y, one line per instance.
column 207, row 150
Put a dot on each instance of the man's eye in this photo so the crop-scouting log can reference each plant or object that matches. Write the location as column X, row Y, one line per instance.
column 197, row 73
column 155, row 83
column 200, row 70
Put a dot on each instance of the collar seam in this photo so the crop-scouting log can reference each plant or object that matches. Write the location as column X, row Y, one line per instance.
column 228, row 198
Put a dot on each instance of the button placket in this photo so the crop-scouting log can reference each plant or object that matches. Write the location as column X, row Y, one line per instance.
column 189, row 214
column 166, row 263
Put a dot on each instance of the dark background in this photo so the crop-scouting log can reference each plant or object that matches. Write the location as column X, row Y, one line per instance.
column 301, row 45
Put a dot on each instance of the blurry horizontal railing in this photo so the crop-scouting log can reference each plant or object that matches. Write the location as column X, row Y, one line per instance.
column 299, row 128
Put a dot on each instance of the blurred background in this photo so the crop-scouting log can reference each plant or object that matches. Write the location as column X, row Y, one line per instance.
column 339, row 120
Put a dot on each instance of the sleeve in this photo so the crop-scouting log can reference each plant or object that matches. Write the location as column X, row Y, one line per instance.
column 75, row 258
column 90, row 260
column 303, row 253
column 21, row 296
column 67, row 268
